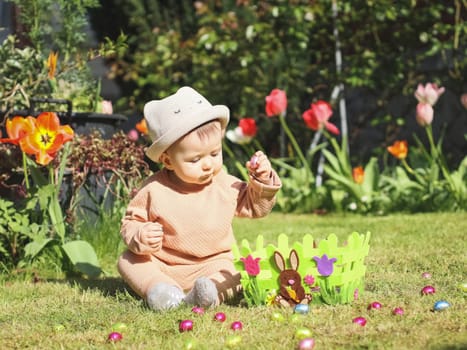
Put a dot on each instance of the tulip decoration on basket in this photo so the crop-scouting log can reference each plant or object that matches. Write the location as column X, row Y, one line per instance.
column 322, row 273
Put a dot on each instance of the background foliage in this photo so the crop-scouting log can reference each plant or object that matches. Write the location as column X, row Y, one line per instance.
column 236, row 51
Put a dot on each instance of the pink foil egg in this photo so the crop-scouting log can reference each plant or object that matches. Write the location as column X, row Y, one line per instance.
column 185, row 326
column 220, row 316
column 426, row 275
column 197, row 310
column 254, row 161
column 398, row 311
column 360, row 321
column 236, row 326
column 306, row 344
column 428, row 290
column 115, row 336
column 374, row 306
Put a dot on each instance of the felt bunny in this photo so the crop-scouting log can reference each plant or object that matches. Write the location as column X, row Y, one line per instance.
column 291, row 291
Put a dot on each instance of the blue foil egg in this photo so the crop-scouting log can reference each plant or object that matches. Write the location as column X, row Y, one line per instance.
column 301, row 309
column 441, row 305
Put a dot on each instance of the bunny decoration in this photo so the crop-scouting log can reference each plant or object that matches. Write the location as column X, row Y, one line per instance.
column 291, row 291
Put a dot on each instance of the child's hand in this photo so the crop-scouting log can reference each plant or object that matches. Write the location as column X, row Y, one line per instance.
column 260, row 167
column 151, row 236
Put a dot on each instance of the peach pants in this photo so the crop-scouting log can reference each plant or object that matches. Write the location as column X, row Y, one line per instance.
column 141, row 272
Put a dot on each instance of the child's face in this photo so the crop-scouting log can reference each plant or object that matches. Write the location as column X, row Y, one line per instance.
column 195, row 160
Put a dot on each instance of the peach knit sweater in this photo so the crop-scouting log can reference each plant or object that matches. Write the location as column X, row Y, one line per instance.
column 196, row 236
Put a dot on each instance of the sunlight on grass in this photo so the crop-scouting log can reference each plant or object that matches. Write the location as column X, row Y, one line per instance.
column 71, row 314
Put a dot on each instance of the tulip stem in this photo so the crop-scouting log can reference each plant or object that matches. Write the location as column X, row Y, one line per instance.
column 239, row 166
column 294, row 142
column 437, row 158
column 25, row 171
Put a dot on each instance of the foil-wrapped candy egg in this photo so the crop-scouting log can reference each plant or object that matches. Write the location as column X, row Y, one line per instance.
column 185, row 326
column 115, row 336
column 374, row 306
column 301, row 309
column 306, row 344
column 441, row 305
column 427, row 290
column 360, row 321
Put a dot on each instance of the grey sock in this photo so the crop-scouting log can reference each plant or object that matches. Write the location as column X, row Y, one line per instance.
column 164, row 296
column 204, row 293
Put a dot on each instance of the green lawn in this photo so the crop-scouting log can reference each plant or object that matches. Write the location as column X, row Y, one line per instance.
column 58, row 313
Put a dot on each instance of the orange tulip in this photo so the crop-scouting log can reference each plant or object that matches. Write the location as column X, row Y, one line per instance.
column 399, row 149
column 17, row 128
column 52, row 63
column 142, row 127
column 47, row 138
column 358, row 174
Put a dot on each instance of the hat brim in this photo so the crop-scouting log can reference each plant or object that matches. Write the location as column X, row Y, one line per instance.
column 199, row 118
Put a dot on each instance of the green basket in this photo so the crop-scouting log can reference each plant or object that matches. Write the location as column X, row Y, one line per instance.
column 343, row 285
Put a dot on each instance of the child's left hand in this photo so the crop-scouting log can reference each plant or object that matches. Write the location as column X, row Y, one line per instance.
column 260, row 167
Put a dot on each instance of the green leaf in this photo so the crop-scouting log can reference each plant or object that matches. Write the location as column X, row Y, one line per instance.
column 33, row 248
column 83, row 257
column 371, row 178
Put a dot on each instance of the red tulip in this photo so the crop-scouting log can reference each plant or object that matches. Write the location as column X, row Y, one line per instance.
column 248, row 126
column 276, row 103
column 317, row 117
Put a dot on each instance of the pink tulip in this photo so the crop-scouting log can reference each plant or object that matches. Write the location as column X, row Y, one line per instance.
column 276, row 103
column 107, row 107
column 424, row 114
column 133, row 135
column 464, row 100
column 428, row 93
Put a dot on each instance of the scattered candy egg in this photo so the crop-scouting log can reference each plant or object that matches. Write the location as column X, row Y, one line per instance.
column 185, row 325
column 302, row 333
column 220, row 316
column 191, row 344
column 374, row 306
column 306, row 344
column 254, row 161
column 236, row 326
column 463, row 287
column 197, row 310
column 115, row 336
column 398, row 311
column 277, row 316
column 301, row 309
column 295, row 318
column 119, row 327
column 441, row 305
column 360, row 321
column 233, row 340
column 59, row 327
column 428, row 290
column 426, row 275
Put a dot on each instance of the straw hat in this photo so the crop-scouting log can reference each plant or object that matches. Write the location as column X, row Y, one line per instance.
column 176, row 115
